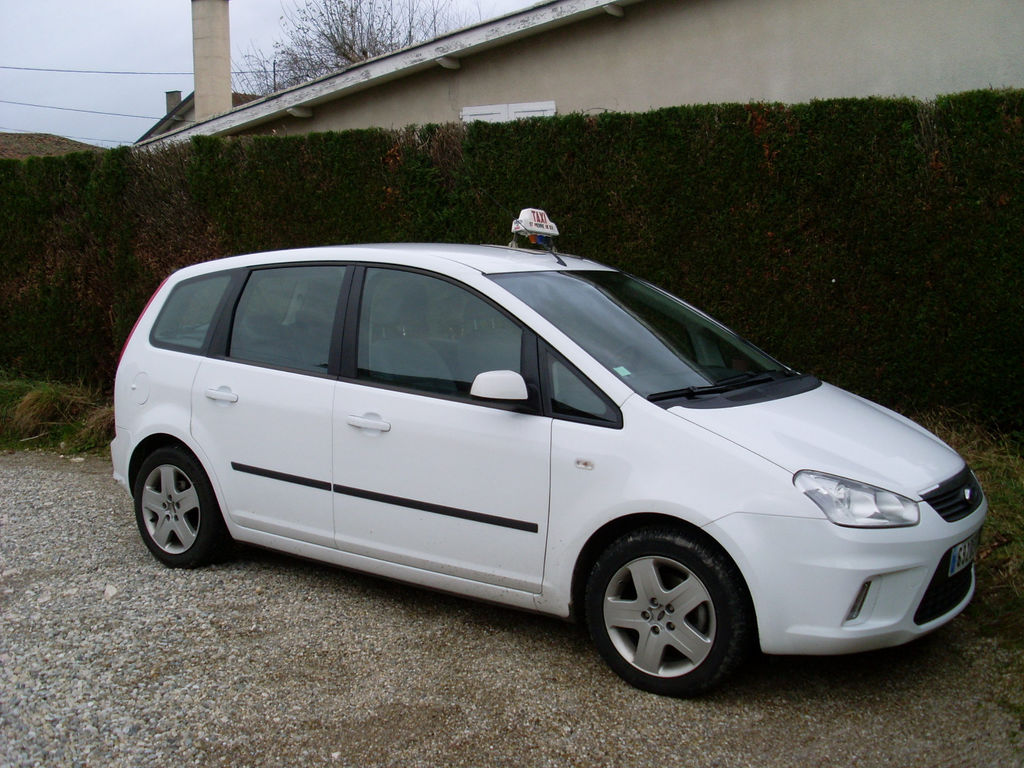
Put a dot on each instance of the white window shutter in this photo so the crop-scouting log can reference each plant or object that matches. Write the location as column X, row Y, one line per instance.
column 501, row 113
column 488, row 113
column 531, row 109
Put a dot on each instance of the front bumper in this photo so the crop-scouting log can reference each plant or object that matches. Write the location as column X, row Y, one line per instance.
column 806, row 577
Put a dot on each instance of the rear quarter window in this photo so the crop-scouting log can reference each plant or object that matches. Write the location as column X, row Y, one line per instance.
column 185, row 319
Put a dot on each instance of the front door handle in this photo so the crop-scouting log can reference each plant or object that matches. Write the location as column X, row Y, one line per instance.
column 370, row 421
column 223, row 394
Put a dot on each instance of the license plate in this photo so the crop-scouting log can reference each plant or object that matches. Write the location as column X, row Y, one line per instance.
column 962, row 555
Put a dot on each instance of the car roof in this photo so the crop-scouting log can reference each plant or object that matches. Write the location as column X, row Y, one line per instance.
column 487, row 259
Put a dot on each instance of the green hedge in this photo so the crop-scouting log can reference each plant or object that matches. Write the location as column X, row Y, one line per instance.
column 875, row 242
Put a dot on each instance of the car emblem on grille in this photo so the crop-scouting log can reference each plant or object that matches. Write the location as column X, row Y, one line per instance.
column 967, row 493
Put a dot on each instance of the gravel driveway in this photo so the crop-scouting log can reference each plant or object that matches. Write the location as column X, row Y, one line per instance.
column 108, row 658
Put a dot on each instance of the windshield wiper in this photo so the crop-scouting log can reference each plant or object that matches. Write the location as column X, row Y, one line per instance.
column 745, row 379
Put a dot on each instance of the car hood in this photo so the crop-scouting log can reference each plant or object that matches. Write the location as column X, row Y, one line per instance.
column 830, row 430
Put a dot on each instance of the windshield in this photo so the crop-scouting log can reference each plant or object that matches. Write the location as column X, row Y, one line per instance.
column 654, row 342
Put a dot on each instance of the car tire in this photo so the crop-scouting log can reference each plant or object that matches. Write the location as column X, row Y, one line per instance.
column 177, row 511
column 669, row 613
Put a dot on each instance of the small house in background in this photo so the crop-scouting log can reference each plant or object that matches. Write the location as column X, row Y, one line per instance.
column 592, row 56
column 18, row 146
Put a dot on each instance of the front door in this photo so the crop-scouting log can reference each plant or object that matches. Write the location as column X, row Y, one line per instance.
column 423, row 475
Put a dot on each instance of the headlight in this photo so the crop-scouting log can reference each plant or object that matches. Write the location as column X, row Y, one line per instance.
column 857, row 505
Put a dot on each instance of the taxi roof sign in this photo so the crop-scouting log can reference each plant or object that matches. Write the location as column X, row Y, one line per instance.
column 533, row 221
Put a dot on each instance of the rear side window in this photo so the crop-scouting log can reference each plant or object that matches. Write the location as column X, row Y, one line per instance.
column 184, row 322
column 285, row 317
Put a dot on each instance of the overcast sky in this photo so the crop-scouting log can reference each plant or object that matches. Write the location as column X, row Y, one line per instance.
column 123, row 35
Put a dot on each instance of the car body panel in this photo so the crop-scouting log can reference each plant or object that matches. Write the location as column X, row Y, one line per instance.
column 471, row 484
column 276, row 427
column 829, row 430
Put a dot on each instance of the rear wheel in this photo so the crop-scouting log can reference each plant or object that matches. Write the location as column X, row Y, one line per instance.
column 669, row 614
column 177, row 512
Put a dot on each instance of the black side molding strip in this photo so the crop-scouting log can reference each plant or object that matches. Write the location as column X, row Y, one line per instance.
column 320, row 485
column 437, row 509
column 423, row 506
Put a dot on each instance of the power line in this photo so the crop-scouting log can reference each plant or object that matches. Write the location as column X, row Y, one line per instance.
column 72, row 109
column 90, row 71
column 114, row 71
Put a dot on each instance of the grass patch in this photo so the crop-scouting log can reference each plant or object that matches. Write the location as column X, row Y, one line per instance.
column 58, row 417
column 998, row 460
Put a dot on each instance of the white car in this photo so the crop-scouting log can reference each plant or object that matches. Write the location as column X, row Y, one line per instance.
column 541, row 431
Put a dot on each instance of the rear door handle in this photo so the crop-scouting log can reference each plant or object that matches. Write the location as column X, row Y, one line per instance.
column 224, row 394
column 370, row 421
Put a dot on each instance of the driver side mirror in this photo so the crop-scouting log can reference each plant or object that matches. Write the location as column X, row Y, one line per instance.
column 499, row 385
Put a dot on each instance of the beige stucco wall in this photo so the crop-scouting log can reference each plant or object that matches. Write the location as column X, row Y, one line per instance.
column 670, row 52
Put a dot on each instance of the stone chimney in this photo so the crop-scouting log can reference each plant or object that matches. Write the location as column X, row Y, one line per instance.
column 173, row 100
column 211, row 57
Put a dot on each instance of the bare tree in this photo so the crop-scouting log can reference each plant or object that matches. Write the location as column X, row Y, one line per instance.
column 324, row 36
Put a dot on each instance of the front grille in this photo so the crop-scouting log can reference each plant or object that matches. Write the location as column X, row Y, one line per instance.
column 944, row 593
column 957, row 497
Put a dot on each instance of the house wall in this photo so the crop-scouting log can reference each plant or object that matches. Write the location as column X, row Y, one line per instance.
column 671, row 52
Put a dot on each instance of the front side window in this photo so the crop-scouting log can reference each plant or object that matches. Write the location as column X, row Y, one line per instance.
column 574, row 398
column 430, row 335
column 184, row 321
column 285, row 317
column 652, row 341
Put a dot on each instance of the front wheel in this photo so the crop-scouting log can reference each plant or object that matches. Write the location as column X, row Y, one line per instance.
column 670, row 615
column 177, row 512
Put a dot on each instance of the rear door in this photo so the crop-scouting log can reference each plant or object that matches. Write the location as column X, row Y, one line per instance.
column 262, row 409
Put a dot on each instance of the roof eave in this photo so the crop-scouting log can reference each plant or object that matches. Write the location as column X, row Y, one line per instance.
column 453, row 46
column 174, row 117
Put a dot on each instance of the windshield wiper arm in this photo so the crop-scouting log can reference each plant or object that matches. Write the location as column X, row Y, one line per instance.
column 745, row 379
